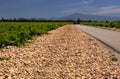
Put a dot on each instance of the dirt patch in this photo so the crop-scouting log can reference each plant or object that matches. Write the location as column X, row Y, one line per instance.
column 65, row 53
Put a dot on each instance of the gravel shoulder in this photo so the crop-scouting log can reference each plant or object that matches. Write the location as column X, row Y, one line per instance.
column 65, row 53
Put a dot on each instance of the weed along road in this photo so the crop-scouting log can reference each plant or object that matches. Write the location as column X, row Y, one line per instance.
column 108, row 37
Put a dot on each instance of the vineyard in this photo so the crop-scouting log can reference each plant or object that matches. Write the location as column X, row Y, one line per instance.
column 103, row 24
column 17, row 33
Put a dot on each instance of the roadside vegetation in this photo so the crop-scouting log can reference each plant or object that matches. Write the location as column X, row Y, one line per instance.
column 17, row 33
column 114, row 58
column 103, row 24
column 4, row 59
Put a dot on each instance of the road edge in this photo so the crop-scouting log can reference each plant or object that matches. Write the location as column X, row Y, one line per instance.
column 107, row 47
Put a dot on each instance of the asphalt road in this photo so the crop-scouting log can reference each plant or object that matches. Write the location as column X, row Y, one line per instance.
column 108, row 37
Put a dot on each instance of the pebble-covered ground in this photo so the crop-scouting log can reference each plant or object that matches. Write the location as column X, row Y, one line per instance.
column 64, row 53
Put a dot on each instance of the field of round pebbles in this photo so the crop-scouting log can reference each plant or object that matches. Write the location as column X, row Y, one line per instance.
column 64, row 53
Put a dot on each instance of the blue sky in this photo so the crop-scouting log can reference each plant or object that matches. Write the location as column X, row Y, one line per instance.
column 57, row 8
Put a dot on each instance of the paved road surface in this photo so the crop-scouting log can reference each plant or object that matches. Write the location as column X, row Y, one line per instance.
column 108, row 37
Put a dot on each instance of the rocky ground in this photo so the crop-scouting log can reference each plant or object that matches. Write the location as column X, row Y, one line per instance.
column 65, row 53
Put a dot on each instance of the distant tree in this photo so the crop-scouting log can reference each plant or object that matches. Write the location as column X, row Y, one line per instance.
column 89, row 20
column 14, row 20
column 2, row 19
column 106, row 21
column 78, row 21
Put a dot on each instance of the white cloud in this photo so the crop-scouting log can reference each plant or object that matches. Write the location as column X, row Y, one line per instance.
column 108, row 10
column 86, row 7
column 70, row 10
column 82, row 6
column 79, row 3
column 85, row 2
column 83, row 9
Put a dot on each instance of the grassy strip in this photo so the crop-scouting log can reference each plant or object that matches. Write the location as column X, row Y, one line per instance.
column 17, row 33
column 114, row 58
column 4, row 59
column 103, row 24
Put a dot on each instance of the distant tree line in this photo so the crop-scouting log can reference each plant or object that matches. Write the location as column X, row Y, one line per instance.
column 32, row 20
column 46, row 20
